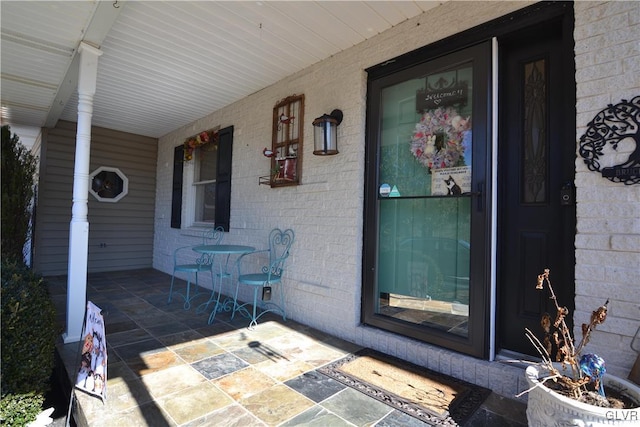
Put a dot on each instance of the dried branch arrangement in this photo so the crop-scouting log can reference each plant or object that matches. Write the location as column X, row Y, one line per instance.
column 585, row 369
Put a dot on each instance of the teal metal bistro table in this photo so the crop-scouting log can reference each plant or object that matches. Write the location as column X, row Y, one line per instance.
column 213, row 252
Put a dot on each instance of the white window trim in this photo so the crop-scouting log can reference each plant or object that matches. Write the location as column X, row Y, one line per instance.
column 189, row 190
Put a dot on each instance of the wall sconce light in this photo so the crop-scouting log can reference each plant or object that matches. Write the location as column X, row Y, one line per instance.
column 325, row 133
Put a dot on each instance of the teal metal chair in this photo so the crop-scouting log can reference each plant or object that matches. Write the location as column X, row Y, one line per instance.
column 262, row 282
column 185, row 260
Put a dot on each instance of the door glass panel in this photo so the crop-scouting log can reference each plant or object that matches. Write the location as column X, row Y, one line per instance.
column 424, row 205
column 534, row 163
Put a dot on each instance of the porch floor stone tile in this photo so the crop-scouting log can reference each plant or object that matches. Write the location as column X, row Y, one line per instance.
column 172, row 380
column 126, row 337
column 276, row 404
column 244, row 383
column 359, row 408
column 149, row 363
column 201, row 349
column 284, row 369
column 139, row 348
column 317, row 416
column 168, row 367
column 315, row 385
column 194, row 402
column 229, row 416
column 217, row 366
column 181, row 339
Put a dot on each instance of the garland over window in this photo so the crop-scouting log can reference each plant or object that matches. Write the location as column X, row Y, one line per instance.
column 203, row 138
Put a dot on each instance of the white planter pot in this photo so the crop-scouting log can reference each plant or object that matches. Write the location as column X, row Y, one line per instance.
column 546, row 408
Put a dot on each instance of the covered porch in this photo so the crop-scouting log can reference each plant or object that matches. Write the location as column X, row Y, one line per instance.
column 167, row 366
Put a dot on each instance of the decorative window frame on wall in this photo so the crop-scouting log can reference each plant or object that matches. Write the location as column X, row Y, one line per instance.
column 287, row 142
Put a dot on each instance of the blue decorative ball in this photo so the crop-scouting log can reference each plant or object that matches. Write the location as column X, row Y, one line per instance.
column 593, row 366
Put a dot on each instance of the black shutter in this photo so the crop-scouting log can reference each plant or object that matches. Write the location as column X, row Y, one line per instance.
column 223, row 180
column 176, row 189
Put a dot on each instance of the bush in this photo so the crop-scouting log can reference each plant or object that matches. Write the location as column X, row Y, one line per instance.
column 18, row 177
column 29, row 332
column 20, row 409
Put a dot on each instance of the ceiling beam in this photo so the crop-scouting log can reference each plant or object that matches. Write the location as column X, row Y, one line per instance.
column 104, row 16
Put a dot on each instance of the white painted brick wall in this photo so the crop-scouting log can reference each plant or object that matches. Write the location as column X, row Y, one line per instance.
column 324, row 275
column 607, row 45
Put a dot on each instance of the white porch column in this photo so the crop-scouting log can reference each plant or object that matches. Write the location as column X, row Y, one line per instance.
column 79, row 229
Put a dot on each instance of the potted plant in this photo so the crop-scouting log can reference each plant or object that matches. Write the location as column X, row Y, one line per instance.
column 571, row 388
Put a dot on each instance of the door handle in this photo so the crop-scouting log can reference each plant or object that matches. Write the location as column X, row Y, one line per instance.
column 478, row 194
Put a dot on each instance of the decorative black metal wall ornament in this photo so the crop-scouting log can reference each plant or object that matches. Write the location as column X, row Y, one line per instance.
column 614, row 124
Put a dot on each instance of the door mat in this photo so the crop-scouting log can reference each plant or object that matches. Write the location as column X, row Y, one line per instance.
column 430, row 396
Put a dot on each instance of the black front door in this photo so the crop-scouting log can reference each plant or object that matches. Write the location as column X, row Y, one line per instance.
column 536, row 157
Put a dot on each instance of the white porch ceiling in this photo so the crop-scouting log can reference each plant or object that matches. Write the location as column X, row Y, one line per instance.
column 168, row 63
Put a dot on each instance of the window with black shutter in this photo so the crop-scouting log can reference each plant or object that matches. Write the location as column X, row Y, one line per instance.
column 210, row 152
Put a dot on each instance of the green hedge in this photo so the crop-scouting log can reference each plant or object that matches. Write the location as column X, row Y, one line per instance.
column 18, row 171
column 20, row 409
column 29, row 332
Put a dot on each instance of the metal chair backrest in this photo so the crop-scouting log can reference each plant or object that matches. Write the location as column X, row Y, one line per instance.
column 213, row 236
column 279, row 246
column 184, row 258
column 187, row 261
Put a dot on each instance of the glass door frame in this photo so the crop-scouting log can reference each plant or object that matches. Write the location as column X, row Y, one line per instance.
column 402, row 69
